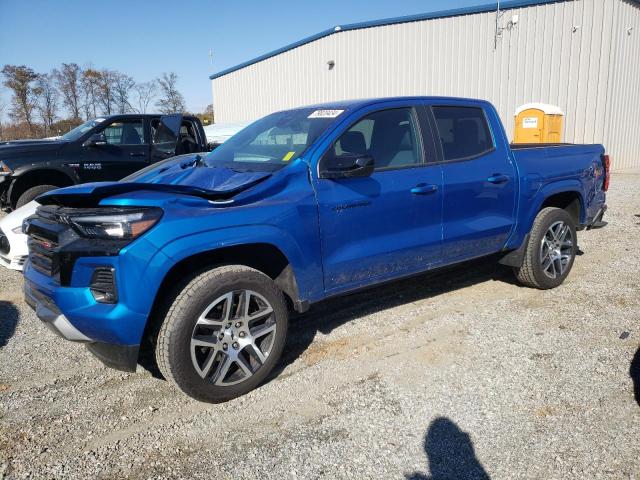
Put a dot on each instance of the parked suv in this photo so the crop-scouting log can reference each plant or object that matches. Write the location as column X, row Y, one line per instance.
column 200, row 259
column 105, row 148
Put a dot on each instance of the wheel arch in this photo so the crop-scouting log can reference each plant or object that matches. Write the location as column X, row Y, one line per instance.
column 264, row 257
column 571, row 201
column 35, row 177
column 565, row 195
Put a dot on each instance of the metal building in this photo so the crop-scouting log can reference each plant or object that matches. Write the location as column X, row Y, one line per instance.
column 582, row 55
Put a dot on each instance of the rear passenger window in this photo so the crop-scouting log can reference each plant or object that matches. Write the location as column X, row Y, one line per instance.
column 389, row 136
column 463, row 131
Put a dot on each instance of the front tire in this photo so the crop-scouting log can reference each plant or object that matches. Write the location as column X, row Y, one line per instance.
column 223, row 334
column 33, row 193
column 551, row 250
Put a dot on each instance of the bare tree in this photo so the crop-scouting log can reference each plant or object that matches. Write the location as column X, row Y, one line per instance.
column 106, row 91
column 208, row 112
column 145, row 94
column 19, row 79
column 69, row 79
column 48, row 96
column 90, row 86
column 123, row 84
column 171, row 100
column 3, row 106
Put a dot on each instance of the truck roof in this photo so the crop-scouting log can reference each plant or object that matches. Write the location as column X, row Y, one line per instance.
column 143, row 115
column 362, row 102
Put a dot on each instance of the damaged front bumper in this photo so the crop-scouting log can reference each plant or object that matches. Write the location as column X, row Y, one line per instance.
column 120, row 357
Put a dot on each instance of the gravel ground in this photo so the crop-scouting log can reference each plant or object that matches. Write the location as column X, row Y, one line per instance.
column 454, row 375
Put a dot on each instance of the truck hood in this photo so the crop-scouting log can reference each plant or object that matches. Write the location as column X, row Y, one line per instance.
column 24, row 148
column 29, row 141
column 204, row 182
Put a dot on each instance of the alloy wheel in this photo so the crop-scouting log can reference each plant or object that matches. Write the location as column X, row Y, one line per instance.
column 556, row 249
column 233, row 337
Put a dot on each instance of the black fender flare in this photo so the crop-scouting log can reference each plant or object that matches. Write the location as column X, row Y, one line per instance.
column 21, row 173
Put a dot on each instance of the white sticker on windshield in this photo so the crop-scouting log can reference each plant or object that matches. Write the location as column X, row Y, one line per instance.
column 325, row 114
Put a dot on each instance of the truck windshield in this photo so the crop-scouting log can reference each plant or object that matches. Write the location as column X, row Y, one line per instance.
column 80, row 130
column 273, row 141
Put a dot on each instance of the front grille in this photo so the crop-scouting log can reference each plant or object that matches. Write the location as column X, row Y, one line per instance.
column 45, row 231
column 42, row 254
column 4, row 244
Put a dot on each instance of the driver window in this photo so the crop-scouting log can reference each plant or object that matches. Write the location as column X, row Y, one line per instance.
column 125, row 132
column 389, row 136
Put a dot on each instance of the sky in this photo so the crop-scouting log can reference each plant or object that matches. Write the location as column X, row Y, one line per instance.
column 145, row 38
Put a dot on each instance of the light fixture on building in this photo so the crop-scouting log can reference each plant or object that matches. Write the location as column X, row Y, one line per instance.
column 331, row 64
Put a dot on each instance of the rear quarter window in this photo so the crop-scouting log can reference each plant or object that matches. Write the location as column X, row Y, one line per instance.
column 463, row 132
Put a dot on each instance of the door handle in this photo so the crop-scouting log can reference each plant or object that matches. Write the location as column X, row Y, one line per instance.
column 137, row 155
column 498, row 178
column 423, row 189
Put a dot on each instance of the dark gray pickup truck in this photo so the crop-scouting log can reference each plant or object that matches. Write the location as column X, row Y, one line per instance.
column 102, row 149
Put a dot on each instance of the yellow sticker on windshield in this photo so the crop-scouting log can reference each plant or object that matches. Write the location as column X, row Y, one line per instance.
column 288, row 156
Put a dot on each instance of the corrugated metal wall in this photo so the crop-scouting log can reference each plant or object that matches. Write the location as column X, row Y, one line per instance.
column 622, row 132
column 575, row 54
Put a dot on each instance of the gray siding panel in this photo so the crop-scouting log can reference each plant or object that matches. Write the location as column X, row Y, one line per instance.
column 592, row 73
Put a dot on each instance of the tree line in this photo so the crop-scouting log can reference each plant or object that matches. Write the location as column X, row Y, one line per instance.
column 48, row 104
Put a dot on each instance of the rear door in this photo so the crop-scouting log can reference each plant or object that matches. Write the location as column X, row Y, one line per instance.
column 479, row 180
column 125, row 152
column 388, row 224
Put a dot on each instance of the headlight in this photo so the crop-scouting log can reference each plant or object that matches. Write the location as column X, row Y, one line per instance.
column 4, row 170
column 17, row 230
column 121, row 225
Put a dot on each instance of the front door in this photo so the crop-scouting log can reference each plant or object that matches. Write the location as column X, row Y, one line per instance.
column 387, row 224
column 126, row 151
column 165, row 133
column 479, row 182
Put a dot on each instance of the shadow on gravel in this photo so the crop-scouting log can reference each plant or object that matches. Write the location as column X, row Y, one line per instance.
column 8, row 321
column 450, row 454
column 330, row 314
column 634, row 373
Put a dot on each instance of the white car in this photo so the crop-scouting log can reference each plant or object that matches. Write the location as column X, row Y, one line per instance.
column 13, row 243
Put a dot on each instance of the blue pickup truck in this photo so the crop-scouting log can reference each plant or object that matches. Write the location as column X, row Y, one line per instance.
column 200, row 258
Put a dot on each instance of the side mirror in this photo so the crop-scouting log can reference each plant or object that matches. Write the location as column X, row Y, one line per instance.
column 348, row 165
column 95, row 140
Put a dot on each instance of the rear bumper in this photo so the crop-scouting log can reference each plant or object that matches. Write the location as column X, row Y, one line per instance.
column 598, row 221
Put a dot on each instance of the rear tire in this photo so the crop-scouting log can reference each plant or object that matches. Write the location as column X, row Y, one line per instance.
column 223, row 333
column 551, row 250
column 33, row 193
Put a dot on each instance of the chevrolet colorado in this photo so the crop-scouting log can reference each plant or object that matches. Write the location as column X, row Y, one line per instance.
column 200, row 258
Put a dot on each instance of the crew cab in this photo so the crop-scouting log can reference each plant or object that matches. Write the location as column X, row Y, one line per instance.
column 200, row 259
column 105, row 148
